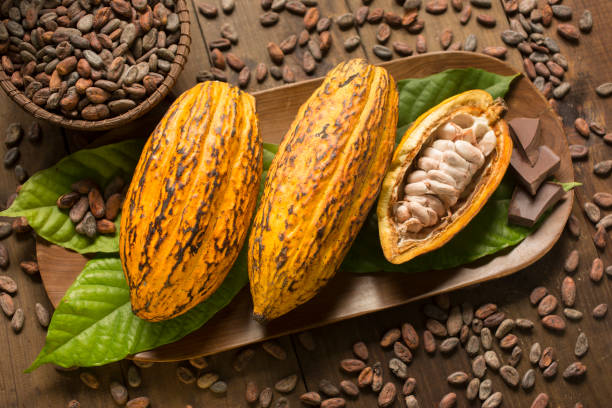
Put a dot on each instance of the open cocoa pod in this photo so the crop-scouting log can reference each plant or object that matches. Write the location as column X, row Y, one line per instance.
column 444, row 169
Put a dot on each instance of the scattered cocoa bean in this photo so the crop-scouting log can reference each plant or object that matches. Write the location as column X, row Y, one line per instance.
column 600, row 311
column 377, row 377
column 268, row 19
column 7, row 305
column 509, row 375
column 349, row 388
column 524, row 324
column 18, row 320
column 133, row 376
column 351, row 365
column 390, row 337
column 582, row 345
column 448, row 401
column 572, row 314
column 429, row 343
column 29, row 267
column 485, row 311
column 436, row 328
column 568, row 291
column 495, row 51
column 275, row 350
column 402, row 352
column 547, row 357
column 382, row 52
column 311, row 398
column 365, row 377
column 535, row 353
column 119, row 393
column 436, row 6
column 485, row 390
column 410, row 336
column 409, row 386
column 553, row 322
column 449, row 345
column 265, row 397
column 185, row 375
column 604, row 90
column 494, row 320
column 568, row 32
column 578, row 152
column 219, row 388
column 492, row 360
column 473, row 346
column 7, row 284
column 528, row 380
column 206, row 380
column 398, row 368
column 89, row 379
column 329, row 389
column 572, row 261
column 574, row 371
column 599, row 238
column 493, row 401
column 508, row 341
column 602, row 168
column 387, row 395
column 42, row 314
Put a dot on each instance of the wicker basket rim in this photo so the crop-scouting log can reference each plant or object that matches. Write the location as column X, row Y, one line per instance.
column 142, row 108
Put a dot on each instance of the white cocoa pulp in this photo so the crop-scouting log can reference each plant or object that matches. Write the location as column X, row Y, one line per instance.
column 443, row 170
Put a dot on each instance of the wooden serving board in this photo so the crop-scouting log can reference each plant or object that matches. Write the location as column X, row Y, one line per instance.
column 349, row 295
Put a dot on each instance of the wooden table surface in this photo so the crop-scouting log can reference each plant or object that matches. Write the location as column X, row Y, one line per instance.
column 590, row 63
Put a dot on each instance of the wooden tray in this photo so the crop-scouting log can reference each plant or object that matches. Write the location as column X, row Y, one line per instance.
column 349, row 295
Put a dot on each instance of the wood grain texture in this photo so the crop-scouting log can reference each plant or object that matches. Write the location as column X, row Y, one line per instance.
column 252, row 48
column 359, row 294
column 435, row 25
column 589, row 66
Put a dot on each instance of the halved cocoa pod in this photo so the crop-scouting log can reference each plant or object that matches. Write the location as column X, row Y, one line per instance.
column 444, row 170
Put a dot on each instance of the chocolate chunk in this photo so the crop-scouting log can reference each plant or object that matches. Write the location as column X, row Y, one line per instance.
column 533, row 176
column 525, row 210
column 526, row 134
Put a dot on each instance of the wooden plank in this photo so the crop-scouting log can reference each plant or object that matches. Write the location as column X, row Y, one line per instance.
column 511, row 293
column 263, row 369
column 21, row 349
column 587, row 71
column 589, row 64
column 585, row 75
column 435, row 24
column 253, row 39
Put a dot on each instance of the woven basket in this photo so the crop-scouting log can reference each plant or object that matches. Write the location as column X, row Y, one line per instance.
column 126, row 117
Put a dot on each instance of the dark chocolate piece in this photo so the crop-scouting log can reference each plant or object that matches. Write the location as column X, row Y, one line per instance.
column 526, row 135
column 533, row 176
column 525, row 210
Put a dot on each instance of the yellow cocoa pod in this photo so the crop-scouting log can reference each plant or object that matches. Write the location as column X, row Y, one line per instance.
column 444, row 170
column 320, row 186
column 189, row 205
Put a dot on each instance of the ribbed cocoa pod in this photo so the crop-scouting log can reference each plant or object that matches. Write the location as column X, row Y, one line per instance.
column 190, row 203
column 320, row 186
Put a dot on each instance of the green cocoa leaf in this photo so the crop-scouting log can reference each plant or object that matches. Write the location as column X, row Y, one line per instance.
column 488, row 232
column 37, row 198
column 417, row 95
column 94, row 323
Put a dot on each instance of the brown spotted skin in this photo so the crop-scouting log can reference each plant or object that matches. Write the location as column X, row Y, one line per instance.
column 320, row 186
column 190, row 203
